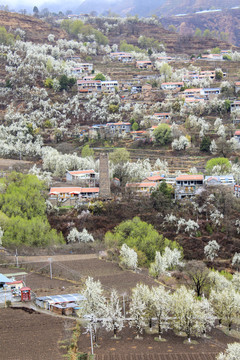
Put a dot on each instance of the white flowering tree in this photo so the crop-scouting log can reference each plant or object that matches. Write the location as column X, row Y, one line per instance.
column 137, row 311
column 159, row 266
column 79, row 236
column 85, row 237
column 225, row 305
column 236, row 282
column 190, row 315
column 161, row 308
column 167, row 261
column 113, row 318
column 218, row 282
column 173, row 257
column 213, row 147
column 236, row 260
column 216, row 217
column 231, row 353
column 180, row 144
column 128, row 257
column 211, row 250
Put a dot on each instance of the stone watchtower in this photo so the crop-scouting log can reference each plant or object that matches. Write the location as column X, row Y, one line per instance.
column 104, row 179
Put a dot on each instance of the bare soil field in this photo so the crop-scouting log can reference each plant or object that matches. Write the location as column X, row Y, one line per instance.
column 69, row 275
column 129, row 348
column 28, row 336
column 18, row 165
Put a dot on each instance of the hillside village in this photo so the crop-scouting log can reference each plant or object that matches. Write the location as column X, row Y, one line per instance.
column 119, row 187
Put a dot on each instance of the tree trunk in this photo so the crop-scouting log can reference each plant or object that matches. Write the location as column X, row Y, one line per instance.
column 150, row 324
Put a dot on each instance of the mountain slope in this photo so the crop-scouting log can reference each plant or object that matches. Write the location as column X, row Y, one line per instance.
column 173, row 7
column 36, row 29
column 227, row 21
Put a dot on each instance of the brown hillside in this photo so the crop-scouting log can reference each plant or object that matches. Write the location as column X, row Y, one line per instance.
column 175, row 43
column 227, row 21
column 170, row 7
column 36, row 29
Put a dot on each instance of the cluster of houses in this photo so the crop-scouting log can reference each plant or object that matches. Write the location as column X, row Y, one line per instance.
column 183, row 185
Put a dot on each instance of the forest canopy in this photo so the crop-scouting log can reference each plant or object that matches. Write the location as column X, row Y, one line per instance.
column 23, row 212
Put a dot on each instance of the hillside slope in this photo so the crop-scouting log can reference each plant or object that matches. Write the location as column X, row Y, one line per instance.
column 173, row 7
column 227, row 21
column 36, row 29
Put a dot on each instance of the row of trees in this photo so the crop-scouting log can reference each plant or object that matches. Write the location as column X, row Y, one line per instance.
column 180, row 310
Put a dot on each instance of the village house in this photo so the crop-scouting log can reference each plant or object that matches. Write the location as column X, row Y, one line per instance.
column 165, row 58
column 189, row 101
column 64, row 304
column 162, row 116
column 235, row 105
column 188, row 185
column 144, row 64
column 237, row 191
column 62, row 194
column 77, row 72
column 154, row 178
column 89, row 85
column 212, row 57
column 171, row 85
column 143, row 187
column 86, row 67
column 139, row 135
column 136, row 89
column 210, row 92
column 109, row 86
column 237, row 86
column 237, row 135
column 118, row 128
column 82, row 177
column 226, row 180
column 191, row 93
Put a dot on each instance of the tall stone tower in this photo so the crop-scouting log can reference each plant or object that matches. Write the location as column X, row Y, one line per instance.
column 104, row 179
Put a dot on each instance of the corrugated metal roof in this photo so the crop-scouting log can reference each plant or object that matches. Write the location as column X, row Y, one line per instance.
column 62, row 298
column 4, row 279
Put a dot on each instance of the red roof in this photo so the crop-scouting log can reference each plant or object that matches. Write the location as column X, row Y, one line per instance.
column 68, row 190
column 78, row 172
column 14, row 282
column 189, row 177
column 237, row 132
column 192, row 90
column 161, row 114
column 25, row 289
column 173, row 83
column 154, row 178
column 237, row 83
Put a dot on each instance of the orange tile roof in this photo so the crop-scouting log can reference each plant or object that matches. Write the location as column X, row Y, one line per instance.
column 173, row 83
column 154, row 178
column 79, row 172
column 189, row 177
column 67, row 190
column 192, row 90
column 161, row 114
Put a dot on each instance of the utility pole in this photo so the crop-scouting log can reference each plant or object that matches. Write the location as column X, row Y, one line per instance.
column 16, row 255
column 91, row 338
column 50, row 266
